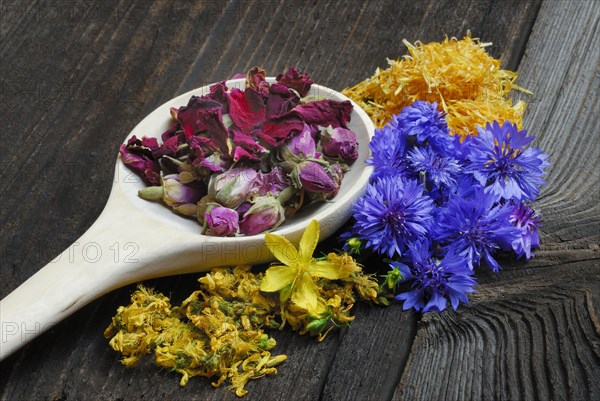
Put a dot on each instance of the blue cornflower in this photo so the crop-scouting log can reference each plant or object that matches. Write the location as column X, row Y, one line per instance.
column 392, row 213
column 501, row 162
column 439, row 170
column 388, row 148
column 466, row 186
column 527, row 221
column 434, row 281
column 423, row 121
column 475, row 227
column 461, row 149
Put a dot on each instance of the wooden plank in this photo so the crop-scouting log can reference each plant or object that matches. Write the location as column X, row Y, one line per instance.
column 561, row 66
column 533, row 332
column 76, row 78
column 371, row 355
column 535, row 335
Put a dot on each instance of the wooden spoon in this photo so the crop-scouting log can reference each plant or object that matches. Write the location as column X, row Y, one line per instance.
column 135, row 240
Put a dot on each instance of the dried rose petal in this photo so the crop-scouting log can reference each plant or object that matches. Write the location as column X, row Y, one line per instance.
column 271, row 183
column 325, row 112
column 151, row 143
column 213, row 125
column 240, row 153
column 200, row 147
column 218, row 93
column 295, row 80
column 214, row 164
column 222, row 221
column 243, row 208
column 276, row 131
column 246, row 109
column 340, row 142
column 281, row 100
column 146, row 167
column 190, row 116
column 247, row 142
column 169, row 148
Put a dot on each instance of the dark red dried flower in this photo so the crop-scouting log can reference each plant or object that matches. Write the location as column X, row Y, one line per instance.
column 295, row 80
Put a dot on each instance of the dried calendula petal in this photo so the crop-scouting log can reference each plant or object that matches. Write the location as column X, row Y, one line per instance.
column 465, row 81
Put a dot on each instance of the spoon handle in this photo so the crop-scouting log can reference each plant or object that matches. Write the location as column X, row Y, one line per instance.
column 53, row 293
column 96, row 263
column 118, row 249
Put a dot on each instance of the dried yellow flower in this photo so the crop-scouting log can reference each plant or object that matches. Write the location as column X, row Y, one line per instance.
column 295, row 279
column 466, row 82
column 218, row 331
column 215, row 332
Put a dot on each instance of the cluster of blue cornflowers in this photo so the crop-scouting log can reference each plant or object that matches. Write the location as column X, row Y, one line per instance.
column 437, row 206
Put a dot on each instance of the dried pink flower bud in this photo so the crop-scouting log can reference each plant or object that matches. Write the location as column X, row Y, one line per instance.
column 339, row 142
column 172, row 192
column 266, row 214
column 299, row 146
column 231, row 188
column 222, row 221
column 336, row 171
column 312, row 177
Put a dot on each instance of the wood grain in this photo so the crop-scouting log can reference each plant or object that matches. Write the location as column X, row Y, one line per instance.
column 562, row 67
column 76, row 78
column 532, row 336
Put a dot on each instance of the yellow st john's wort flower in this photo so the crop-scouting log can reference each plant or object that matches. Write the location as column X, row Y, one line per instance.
column 294, row 279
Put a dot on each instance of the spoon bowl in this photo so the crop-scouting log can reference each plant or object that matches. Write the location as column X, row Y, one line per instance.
column 134, row 239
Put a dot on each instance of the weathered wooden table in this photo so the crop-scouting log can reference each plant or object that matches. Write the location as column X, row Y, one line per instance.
column 76, row 78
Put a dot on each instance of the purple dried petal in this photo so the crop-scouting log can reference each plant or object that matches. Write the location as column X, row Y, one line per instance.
column 243, row 208
column 271, row 183
column 211, row 124
column 214, row 164
column 169, row 148
column 173, row 131
column 151, row 143
column 147, row 168
column 281, row 100
column 218, row 93
column 240, row 153
column 200, row 148
column 247, row 142
column 192, row 118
